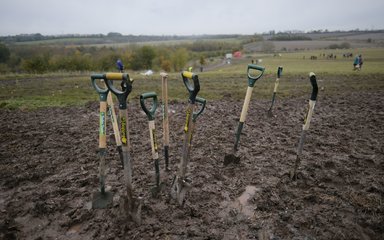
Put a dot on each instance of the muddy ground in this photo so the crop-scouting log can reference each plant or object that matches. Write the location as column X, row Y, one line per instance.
column 48, row 172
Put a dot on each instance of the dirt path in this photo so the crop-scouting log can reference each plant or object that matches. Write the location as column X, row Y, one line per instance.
column 48, row 172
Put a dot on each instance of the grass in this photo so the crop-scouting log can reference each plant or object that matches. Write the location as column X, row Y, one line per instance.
column 228, row 82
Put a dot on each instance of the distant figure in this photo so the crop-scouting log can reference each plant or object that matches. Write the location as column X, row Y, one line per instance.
column 253, row 61
column 360, row 61
column 120, row 65
column 356, row 65
column 190, row 69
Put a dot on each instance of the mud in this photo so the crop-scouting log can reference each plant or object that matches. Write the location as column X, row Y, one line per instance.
column 48, row 172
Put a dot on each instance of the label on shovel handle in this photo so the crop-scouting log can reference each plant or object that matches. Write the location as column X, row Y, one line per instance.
column 102, row 124
column 187, row 120
column 123, row 130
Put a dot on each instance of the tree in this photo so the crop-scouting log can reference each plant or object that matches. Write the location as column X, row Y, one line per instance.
column 142, row 58
column 37, row 64
column 179, row 58
column 147, row 54
column 4, row 53
column 202, row 60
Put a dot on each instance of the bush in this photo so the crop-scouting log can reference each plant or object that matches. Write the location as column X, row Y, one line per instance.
column 4, row 53
column 142, row 58
column 290, row 37
column 344, row 45
column 37, row 64
column 179, row 58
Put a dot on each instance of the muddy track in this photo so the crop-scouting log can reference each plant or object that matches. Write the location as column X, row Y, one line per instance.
column 48, row 173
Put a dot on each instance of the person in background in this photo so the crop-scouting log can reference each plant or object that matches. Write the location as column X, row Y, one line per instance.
column 356, row 63
column 360, row 61
column 120, row 65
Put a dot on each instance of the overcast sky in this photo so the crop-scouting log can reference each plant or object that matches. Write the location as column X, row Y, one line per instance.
column 182, row 17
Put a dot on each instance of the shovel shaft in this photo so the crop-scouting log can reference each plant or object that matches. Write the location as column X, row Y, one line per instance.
column 124, row 126
column 126, row 151
column 102, row 169
column 164, row 86
column 164, row 90
column 273, row 101
column 188, row 129
column 102, row 125
column 152, row 133
column 307, row 121
column 308, row 117
column 157, row 172
column 113, row 119
column 237, row 136
column 301, row 143
column 279, row 72
column 102, row 143
column 247, row 99
column 128, row 175
column 166, row 157
column 243, row 116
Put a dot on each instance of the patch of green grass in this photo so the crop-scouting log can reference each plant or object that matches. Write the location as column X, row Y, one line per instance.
column 228, row 82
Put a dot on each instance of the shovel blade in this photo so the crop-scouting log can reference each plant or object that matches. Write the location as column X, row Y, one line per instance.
column 133, row 209
column 231, row 158
column 269, row 113
column 179, row 189
column 102, row 200
column 155, row 191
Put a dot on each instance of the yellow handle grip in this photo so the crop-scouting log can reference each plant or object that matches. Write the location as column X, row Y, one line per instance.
column 114, row 76
column 187, row 74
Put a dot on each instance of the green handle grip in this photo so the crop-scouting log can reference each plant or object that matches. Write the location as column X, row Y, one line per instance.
column 252, row 79
column 103, row 92
column 194, row 88
column 202, row 102
column 279, row 71
column 121, row 95
column 150, row 112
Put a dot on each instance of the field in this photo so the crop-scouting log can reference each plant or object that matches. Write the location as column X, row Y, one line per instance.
column 49, row 161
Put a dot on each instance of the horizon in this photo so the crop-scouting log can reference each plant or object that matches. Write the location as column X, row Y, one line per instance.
column 203, row 34
column 182, row 17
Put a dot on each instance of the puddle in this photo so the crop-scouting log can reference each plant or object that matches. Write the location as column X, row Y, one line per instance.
column 88, row 205
column 74, row 229
column 242, row 205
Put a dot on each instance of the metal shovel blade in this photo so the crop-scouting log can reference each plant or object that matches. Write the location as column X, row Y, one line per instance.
column 231, row 158
column 156, row 190
column 133, row 209
column 180, row 188
column 102, row 200
column 269, row 113
column 293, row 174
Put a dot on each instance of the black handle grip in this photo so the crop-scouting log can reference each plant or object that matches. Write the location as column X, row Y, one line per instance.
column 312, row 78
column 192, row 89
column 121, row 95
column 202, row 102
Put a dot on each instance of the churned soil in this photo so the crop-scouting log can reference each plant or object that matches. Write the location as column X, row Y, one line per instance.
column 49, row 172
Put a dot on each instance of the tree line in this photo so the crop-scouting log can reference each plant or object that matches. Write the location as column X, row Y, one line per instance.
column 114, row 37
column 53, row 58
